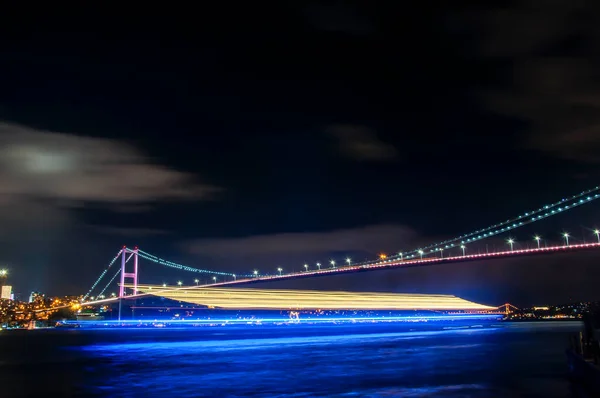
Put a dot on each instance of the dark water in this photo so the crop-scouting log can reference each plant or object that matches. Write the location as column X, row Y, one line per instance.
column 377, row 360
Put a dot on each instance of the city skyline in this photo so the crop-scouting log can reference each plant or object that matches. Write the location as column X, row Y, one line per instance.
column 232, row 148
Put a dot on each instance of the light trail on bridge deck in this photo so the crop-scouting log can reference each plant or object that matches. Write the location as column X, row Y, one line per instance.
column 255, row 299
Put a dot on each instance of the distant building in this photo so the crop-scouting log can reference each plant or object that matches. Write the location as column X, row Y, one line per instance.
column 7, row 292
column 34, row 295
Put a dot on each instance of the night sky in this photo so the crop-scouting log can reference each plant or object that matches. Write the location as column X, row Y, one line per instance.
column 252, row 137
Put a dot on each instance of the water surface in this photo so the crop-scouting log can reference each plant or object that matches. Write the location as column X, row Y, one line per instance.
column 365, row 360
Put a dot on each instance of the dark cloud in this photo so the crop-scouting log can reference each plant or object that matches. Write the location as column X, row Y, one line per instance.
column 49, row 182
column 38, row 164
column 131, row 232
column 342, row 18
column 553, row 83
column 366, row 241
column 361, row 143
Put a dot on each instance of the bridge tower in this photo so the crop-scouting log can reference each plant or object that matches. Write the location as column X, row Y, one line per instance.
column 133, row 275
column 509, row 308
column 124, row 274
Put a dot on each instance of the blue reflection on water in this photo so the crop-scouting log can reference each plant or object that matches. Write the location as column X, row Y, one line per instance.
column 224, row 321
column 367, row 360
column 178, row 348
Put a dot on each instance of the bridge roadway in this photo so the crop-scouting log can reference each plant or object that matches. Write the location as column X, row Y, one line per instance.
column 388, row 264
column 384, row 265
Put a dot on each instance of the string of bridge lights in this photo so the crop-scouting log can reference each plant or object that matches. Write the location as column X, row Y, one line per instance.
column 101, row 294
column 384, row 261
column 510, row 224
column 102, row 275
column 431, row 260
column 496, row 229
column 172, row 264
column 439, row 247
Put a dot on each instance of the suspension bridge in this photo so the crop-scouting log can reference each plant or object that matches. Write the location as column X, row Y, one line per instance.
column 452, row 250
